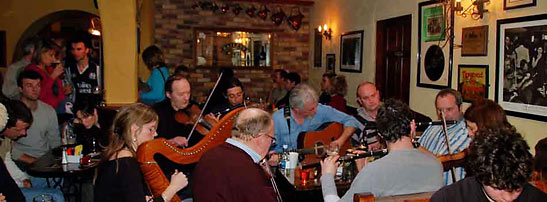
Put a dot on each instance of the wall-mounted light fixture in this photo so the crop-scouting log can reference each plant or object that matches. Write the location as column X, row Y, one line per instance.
column 95, row 26
column 476, row 9
column 326, row 31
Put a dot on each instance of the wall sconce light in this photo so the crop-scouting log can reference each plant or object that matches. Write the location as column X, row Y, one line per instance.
column 326, row 31
column 476, row 9
column 95, row 26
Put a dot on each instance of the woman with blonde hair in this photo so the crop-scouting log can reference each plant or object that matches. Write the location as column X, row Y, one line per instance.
column 119, row 177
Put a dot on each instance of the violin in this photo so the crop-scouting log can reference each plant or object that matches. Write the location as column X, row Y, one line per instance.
column 191, row 116
column 450, row 161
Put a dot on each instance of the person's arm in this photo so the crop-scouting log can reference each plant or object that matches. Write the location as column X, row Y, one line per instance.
column 8, row 188
column 18, row 176
column 52, row 131
column 25, row 158
column 10, row 88
column 328, row 170
column 330, row 114
column 156, row 84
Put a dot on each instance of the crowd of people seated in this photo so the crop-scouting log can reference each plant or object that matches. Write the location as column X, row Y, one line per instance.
column 48, row 99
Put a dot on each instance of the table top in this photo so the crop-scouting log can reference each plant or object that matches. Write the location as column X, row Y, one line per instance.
column 50, row 165
column 293, row 177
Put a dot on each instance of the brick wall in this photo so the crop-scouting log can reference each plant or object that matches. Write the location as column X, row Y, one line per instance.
column 175, row 21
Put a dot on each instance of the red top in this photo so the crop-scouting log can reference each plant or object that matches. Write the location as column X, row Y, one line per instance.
column 46, row 92
column 338, row 102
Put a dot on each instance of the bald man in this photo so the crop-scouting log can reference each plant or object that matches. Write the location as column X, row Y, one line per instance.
column 368, row 98
column 235, row 171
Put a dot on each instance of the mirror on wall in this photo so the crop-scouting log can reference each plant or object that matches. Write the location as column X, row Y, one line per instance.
column 232, row 48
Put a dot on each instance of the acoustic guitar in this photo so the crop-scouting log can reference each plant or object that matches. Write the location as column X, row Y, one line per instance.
column 323, row 136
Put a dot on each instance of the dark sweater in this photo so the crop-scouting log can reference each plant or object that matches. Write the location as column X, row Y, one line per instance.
column 469, row 189
column 8, row 187
column 227, row 173
column 120, row 180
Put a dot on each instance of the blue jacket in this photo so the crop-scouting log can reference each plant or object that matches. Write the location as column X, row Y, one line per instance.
column 156, row 82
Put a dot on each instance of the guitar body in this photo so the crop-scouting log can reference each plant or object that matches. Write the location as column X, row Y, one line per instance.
column 324, row 135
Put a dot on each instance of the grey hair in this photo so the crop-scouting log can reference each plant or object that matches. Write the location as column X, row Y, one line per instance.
column 302, row 94
column 448, row 91
column 251, row 123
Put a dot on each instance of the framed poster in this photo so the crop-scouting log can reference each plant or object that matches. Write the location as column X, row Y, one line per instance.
column 317, row 48
column 475, row 41
column 351, row 56
column 512, row 4
column 331, row 63
column 433, row 19
column 473, row 82
column 521, row 67
column 434, row 56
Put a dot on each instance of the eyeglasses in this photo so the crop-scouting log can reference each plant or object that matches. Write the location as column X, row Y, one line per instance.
column 274, row 140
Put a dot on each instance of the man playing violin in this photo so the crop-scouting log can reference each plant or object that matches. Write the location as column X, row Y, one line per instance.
column 447, row 102
column 177, row 91
column 405, row 170
column 307, row 115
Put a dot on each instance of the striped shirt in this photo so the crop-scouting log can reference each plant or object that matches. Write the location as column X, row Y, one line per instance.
column 434, row 141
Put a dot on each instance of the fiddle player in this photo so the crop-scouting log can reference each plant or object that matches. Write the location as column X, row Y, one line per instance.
column 501, row 172
column 304, row 113
column 404, row 170
column 236, row 170
column 449, row 102
column 234, row 93
column 177, row 92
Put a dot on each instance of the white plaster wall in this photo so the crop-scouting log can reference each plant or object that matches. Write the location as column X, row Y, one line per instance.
column 350, row 15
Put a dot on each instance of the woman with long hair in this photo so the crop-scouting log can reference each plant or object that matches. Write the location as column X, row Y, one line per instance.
column 119, row 177
column 484, row 114
column 47, row 63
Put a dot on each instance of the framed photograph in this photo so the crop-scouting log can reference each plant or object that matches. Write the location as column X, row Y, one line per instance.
column 521, row 66
column 433, row 18
column 512, row 4
column 434, row 56
column 317, row 48
column 331, row 63
column 351, row 56
column 475, row 41
column 473, row 82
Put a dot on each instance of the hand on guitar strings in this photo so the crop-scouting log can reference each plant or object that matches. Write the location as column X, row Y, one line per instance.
column 329, row 165
column 179, row 141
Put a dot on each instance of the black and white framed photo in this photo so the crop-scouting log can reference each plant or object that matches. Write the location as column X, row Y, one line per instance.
column 434, row 48
column 351, row 56
column 331, row 63
column 521, row 66
column 512, row 4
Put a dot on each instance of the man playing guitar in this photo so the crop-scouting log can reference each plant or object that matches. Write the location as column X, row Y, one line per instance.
column 305, row 114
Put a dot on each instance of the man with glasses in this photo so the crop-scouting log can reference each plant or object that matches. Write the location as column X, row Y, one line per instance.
column 305, row 114
column 236, row 170
column 448, row 104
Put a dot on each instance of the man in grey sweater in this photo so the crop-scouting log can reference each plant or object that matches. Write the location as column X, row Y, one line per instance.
column 404, row 170
column 43, row 133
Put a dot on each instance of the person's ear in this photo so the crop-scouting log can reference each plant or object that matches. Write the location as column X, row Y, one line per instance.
column 167, row 94
column 358, row 101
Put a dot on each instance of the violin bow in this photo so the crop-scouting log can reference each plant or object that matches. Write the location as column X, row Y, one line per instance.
column 204, row 107
column 447, row 145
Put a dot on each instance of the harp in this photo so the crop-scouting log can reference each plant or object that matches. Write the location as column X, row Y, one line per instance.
column 151, row 171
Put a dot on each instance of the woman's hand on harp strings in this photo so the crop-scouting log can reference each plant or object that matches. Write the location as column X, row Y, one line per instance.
column 329, row 165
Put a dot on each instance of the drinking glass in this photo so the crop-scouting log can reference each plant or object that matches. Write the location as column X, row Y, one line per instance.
column 43, row 198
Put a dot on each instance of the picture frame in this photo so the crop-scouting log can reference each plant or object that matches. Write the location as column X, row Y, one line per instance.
column 521, row 85
column 475, row 41
column 473, row 82
column 331, row 63
column 513, row 4
column 317, row 50
column 434, row 57
column 351, row 51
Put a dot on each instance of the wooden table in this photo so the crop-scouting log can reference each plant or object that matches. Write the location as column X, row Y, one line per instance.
column 50, row 167
column 293, row 188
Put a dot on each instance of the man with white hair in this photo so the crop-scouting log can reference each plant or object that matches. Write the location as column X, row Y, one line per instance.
column 236, row 170
column 305, row 114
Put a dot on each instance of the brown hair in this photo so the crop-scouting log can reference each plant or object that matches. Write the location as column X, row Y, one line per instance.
column 153, row 57
column 43, row 46
column 120, row 135
column 487, row 114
